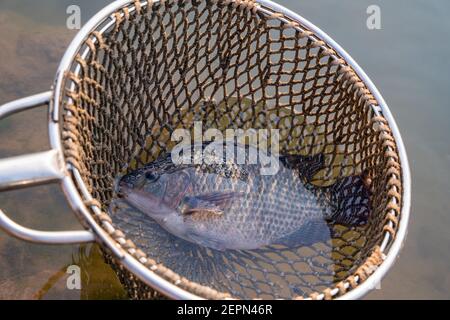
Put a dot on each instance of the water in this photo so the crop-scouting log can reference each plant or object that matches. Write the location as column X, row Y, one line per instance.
column 407, row 60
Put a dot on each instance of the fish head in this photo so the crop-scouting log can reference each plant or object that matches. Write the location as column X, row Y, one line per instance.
column 153, row 192
column 132, row 180
column 145, row 202
column 157, row 195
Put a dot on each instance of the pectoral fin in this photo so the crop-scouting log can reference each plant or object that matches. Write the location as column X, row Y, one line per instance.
column 214, row 202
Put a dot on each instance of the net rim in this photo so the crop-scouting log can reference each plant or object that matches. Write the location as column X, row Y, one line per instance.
column 85, row 208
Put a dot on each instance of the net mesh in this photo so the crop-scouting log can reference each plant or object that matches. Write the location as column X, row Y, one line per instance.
column 162, row 65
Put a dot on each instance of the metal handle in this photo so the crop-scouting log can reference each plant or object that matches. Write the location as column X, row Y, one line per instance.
column 34, row 169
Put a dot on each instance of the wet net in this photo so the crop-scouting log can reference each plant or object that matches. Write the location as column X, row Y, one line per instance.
column 154, row 67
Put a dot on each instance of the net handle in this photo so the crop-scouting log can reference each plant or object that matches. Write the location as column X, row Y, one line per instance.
column 34, row 169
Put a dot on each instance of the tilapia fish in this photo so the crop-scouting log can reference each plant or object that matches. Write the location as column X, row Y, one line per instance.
column 229, row 206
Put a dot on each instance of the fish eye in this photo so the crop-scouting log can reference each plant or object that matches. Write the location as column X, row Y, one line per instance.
column 151, row 177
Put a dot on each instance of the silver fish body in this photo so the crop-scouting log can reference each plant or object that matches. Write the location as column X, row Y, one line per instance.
column 229, row 206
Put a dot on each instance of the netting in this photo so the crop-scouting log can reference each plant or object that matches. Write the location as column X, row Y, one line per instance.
column 162, row 65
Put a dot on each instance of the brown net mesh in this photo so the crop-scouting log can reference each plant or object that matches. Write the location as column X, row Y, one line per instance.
column 161, row 66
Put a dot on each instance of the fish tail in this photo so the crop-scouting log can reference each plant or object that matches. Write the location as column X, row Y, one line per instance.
column 349, row 199
column 306, row 166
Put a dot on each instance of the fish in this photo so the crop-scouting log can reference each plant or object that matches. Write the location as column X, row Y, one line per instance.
column 227, row 206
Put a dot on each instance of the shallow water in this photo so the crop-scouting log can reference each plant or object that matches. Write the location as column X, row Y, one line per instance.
column 407, row 60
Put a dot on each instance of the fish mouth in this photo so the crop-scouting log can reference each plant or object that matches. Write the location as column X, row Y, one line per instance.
column 145, row 202
column 124, row 190
column 165, row 197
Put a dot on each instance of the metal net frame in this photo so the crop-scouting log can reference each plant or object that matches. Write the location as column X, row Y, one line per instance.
column 158, row 66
